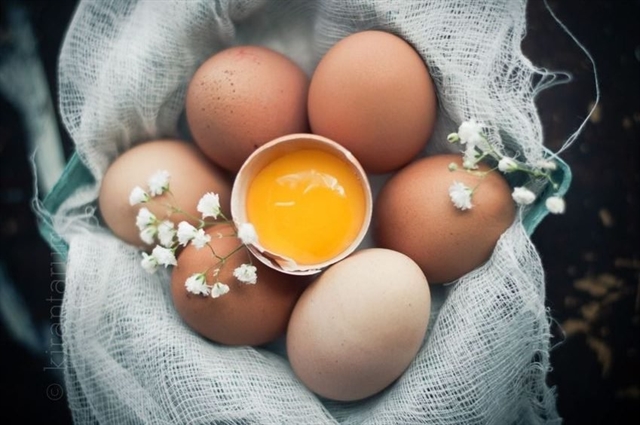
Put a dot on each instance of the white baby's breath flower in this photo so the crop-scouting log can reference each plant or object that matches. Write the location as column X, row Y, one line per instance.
column 145, row 218
column 166, row 233
column 159, row 182
column 507, row 165
column 148, row 234
column 219, row 289
column 547, row 165
column 460, row 195
column 470, row 158
column 164, row 256
column 209, row 205
column 138, row 196
column 246, row 273
column 200, row 239
column 469, row 164
column 197, row 284
column 555, row 205
column 470, row 132
column 186, row 232
column 149, row 263
column 247, row 233
column 523, row 196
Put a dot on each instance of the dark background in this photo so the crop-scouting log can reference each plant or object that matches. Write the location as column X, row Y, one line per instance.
column 591, row 254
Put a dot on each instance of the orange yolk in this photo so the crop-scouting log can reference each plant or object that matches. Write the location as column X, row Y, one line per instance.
column 307, row 205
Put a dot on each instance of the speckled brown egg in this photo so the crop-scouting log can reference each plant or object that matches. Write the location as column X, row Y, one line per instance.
column 249, row 314
column 191, row 176
column 415, row 215
column 241, row 98
column 358, row 327
column 373, row 93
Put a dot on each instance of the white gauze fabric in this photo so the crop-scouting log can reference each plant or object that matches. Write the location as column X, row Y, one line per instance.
column 124, row 68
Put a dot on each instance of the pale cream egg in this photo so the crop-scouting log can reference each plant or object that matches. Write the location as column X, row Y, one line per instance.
column 357, row 328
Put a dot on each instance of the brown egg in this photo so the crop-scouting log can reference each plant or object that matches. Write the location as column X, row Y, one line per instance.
column 191, row 176
column 357, row 328
column 241, row 98
column 414, row 214
column 249, row 314
column 373, row 94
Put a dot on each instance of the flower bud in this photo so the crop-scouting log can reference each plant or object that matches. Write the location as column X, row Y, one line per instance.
column 555, row 205
column 507, row 165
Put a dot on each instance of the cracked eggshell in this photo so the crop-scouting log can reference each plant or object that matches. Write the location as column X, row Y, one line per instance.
column 269, row 152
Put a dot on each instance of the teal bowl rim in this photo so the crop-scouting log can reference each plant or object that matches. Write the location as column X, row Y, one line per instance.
column 76, row 174
column 562, row 174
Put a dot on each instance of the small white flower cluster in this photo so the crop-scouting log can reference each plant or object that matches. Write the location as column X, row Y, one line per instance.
column 160, row 256
column 158, row 184
column 147, row 223
column 476, row 148
column 170, row 238
column 197, row 282
column 460, row 195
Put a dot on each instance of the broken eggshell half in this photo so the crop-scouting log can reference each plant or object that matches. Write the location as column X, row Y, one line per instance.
column 268, row 153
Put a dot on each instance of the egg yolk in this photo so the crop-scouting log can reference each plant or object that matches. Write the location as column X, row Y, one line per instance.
column 307, row 205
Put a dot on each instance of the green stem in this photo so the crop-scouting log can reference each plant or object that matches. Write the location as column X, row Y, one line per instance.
column 200, row 221
column 215, row 266
column 480, row 174
column 238, row 248
column 492, row 151
column 214, row 253
column 216, row 221
column 232, row 235
column 222, row 260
